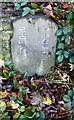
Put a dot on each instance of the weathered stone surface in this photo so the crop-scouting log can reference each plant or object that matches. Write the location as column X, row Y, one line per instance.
column 33, row 45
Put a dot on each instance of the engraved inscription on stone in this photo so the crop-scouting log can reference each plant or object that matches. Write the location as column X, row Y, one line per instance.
column 33, row 45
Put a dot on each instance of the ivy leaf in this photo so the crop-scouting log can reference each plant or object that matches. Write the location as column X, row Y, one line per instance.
column 65, row 31
column 58, row 39
column 4, row 115
column 59, row 52
column 66, row 98
column 15, row 83
column 59, row 32
column 21, row 117
column 41, row 7
column 20, row 89
column 3, row 108
column 17, row 6
column 68, row 105
column 23, row 3
column 32, row 12
column 59, row 26
column 20, row 98
column 73, row 103
column 60, row 58
column 16, row 115
column 33, row 109
column 10, row 65
column 13, row 97
column 26, row 11
column 29, row 114
column 70, row 93
column 66, row 40
column 67, row 36
column 71, row 59
column 2, row 105
column 69, row 15
column 63, row 37
column 42, row 116
column 37, row 114
column 34, row 5
column 66, row 54
column 22, row 108
column 60, row 45
column 25, row 88
column 72, row 51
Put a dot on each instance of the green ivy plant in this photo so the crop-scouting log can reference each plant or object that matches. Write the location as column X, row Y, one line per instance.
column 62, row 45
column 63, row 50
column 69, row 99
column 26, row 9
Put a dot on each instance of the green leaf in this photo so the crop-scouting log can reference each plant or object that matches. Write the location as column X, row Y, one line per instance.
column 60, row 58
column 37, row 114
column 23, row 3
column 58, row 39
column 4, row 115
column 19, row 102
column 59, row 52
column 3, row 108
column 67, row 36
column 20, row 98
column 69, row 16
column 41, row 7
column 34, row 5
column 13, row 97
column 2, row 104
column 59, row 32
column 42, row 116
column 68, row 105
column 23, row 92
column 65, row 31
column 72, row 50
column 25, row 88
column 32, row 12
column 22, row 108
column 9, row 65
column 7, row 4
column 15, row 83
column 29, row 114
column 70, row 93
column 66, row 54
column 59, row 26
column 21, row 117
column 60, row 45
column 66, row 98
column 17, row 6
column 16, row 115
column 73, row 103
column 71, row 59
column 20, row 89
column 66, row 40
column 33, row 109
column 26, row 11
column 63, row 37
